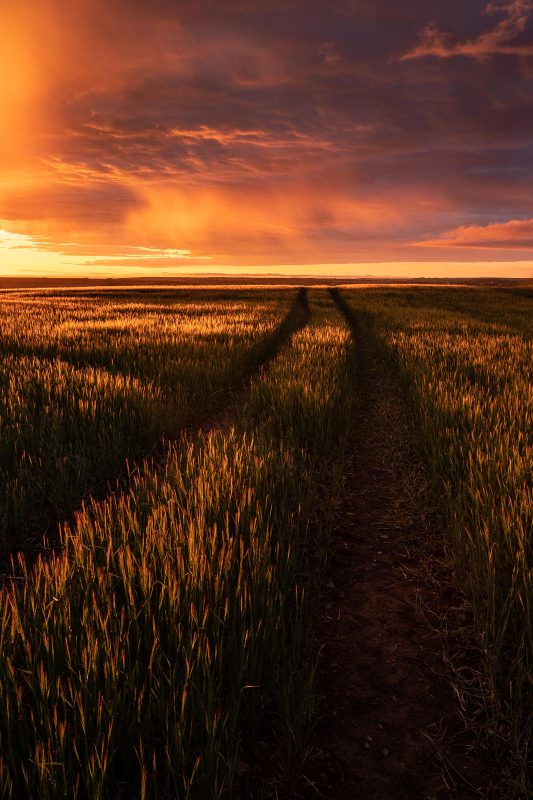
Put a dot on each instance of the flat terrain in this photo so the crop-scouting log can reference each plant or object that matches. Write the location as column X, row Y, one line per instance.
column 245, row 280
column 207, row 493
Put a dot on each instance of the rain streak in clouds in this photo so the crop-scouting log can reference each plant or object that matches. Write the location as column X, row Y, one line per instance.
column 239, row 133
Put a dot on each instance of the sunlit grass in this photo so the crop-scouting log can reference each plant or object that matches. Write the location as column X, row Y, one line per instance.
column 467, row 357
column 170, row 635
column 88, row 381
column 165, row 647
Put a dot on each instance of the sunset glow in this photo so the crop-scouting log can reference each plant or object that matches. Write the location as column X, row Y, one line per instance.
column 356, row 138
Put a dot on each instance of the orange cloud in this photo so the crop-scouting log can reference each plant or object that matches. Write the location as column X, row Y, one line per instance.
column 236, row 223
column 516, row 234
column 235, row 133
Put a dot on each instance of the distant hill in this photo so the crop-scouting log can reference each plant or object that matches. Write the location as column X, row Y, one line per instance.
column 12, row 282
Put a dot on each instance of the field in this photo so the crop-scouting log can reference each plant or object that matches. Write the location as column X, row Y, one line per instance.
column 89, row 380
column 466, row 361
column 170, row 466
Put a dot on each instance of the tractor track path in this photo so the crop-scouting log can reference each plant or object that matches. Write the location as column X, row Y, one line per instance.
column 390, row 726
column 223, row 409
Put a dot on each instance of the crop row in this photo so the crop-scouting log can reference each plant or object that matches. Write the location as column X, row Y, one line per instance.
column 151, row 656
column 468, row 363
column 85, row 386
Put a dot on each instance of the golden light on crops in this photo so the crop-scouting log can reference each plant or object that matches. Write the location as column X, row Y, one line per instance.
column 165, row 598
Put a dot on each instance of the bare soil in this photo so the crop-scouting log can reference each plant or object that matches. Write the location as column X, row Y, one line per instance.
column 391, row 726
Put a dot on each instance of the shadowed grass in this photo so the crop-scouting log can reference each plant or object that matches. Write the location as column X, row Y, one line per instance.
column 470, row 378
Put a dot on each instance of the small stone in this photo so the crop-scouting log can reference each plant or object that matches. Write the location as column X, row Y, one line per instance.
column 385, row 751
column 367, row 746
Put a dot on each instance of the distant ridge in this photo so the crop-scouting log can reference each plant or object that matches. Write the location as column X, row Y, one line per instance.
column 13, row 282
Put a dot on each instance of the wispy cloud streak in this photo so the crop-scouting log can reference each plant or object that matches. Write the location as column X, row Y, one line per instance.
column 504, row 39
column 515, row 234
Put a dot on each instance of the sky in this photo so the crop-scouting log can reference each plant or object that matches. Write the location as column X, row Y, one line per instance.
column 350, row 137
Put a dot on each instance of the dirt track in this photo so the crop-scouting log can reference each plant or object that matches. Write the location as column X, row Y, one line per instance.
column 390, row 726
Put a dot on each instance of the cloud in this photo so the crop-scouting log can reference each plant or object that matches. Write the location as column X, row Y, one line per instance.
column 102, row 203
column 258, row 133
column 516, row 234
column 507, row 38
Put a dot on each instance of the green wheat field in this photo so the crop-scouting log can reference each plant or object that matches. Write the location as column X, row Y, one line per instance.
column 169, row 462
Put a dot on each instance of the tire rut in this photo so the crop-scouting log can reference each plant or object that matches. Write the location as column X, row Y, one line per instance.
column 222, row 411
column 390, row 726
